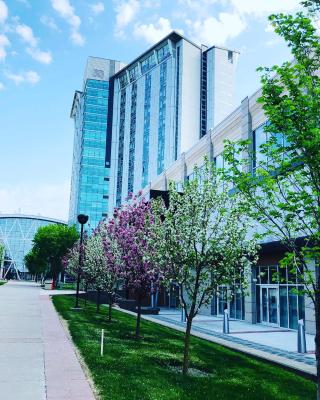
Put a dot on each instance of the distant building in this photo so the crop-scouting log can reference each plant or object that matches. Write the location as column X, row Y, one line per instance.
column 91, row 111
column 16, row 233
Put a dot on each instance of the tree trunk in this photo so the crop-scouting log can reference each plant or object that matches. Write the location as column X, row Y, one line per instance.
column 110, row 307
column 86, row 295
column 98, row 300
column 317, row 338
column 138, row 318
column 186, row 358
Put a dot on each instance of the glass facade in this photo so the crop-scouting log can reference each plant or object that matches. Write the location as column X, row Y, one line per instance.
column 162, row 116
column 234, row 302
column 94, row 173
column 148, row 63
column 17, row 233
column 260, row 138
column 121, row 146
column 132, row 143
column 278, row 297
column 163, row 53
column 176, row 136
column 203, row 99
column 146, row 130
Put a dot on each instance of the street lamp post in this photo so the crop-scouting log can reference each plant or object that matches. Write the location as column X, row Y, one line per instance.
column 82, row 219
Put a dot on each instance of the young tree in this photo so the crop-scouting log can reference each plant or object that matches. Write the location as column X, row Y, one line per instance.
column 130, row 228
column 98, row 266
column 51, row 243
column 35, row 263
column 201, row 243
column 284, row 190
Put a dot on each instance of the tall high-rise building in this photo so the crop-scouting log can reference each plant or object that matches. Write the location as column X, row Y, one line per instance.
column 92, row 114
column 132, row 122
column 164, row 101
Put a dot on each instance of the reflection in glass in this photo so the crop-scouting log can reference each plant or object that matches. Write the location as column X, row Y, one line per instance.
column 264, row 305
column 283, row 307
column 293, row 310
column 273, row 306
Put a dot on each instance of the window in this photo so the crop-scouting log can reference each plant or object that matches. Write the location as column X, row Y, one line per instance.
column 134, row 73
column 162, row 117
column 123, row 80
column 230, row 56
column 163, row 52
column 148, row 63
column 146, row 130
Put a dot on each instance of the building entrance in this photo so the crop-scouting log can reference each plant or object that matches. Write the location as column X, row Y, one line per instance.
column 269, row 305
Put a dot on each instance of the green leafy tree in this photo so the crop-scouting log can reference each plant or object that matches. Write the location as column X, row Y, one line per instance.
column 201, row 243
column 51, row 243
column 36, row 265
column 283, row 187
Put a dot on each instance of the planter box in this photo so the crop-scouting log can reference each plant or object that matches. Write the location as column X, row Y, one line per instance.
column 150, row 310
column 129, row 305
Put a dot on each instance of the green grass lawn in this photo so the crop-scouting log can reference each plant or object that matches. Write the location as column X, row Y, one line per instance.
column 2, row 282
column 140, row 370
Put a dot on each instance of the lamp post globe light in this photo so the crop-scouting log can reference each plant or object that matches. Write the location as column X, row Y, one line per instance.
column 82, row 219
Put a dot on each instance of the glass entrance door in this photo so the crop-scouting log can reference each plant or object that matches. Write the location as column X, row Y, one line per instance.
column 270, row 305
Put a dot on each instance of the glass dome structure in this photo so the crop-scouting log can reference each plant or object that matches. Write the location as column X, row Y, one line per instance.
column 16, row 234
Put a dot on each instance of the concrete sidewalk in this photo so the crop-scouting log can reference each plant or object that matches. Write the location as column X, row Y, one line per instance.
column 256, row 340
column 37, row 359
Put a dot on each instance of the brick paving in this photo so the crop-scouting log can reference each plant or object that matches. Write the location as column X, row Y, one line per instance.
column 37, row 359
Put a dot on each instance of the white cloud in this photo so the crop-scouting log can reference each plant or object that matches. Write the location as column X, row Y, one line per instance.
column 262, row 7
column 67, row 12
column 43, row 57
column 3, row 12
column 126, row 11
column 49, row 22
column 2, row 87
column 152, row 33
column 26, row 34
column 97, row 8
column 213, row 30
column 48, row 200
column 31, row 77
column 4, row 42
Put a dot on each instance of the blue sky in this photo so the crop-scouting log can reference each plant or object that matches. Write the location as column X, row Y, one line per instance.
column 44, row 45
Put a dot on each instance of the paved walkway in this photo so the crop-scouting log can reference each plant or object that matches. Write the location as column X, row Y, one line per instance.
column 273, row 344
column 37, row 359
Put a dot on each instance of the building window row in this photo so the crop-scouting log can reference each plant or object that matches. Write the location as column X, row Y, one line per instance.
column 121, row 146
column 144, row 66
column 162, row 117
column 97, row 84
column 132, row 140
column 177, row 104
column 146, row 130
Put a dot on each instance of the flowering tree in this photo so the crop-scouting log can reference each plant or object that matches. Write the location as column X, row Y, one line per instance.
column 97, row 265
column 284, row 191
column 130, row 228
column 201, row 243
column 70, row 261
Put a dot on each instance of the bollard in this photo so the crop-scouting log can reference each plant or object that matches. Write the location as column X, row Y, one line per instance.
column 302, row 345
column 183, row 315
column 102, row 342
column 226, row 321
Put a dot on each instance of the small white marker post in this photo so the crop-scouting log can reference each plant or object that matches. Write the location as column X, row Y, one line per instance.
column 102, row 342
